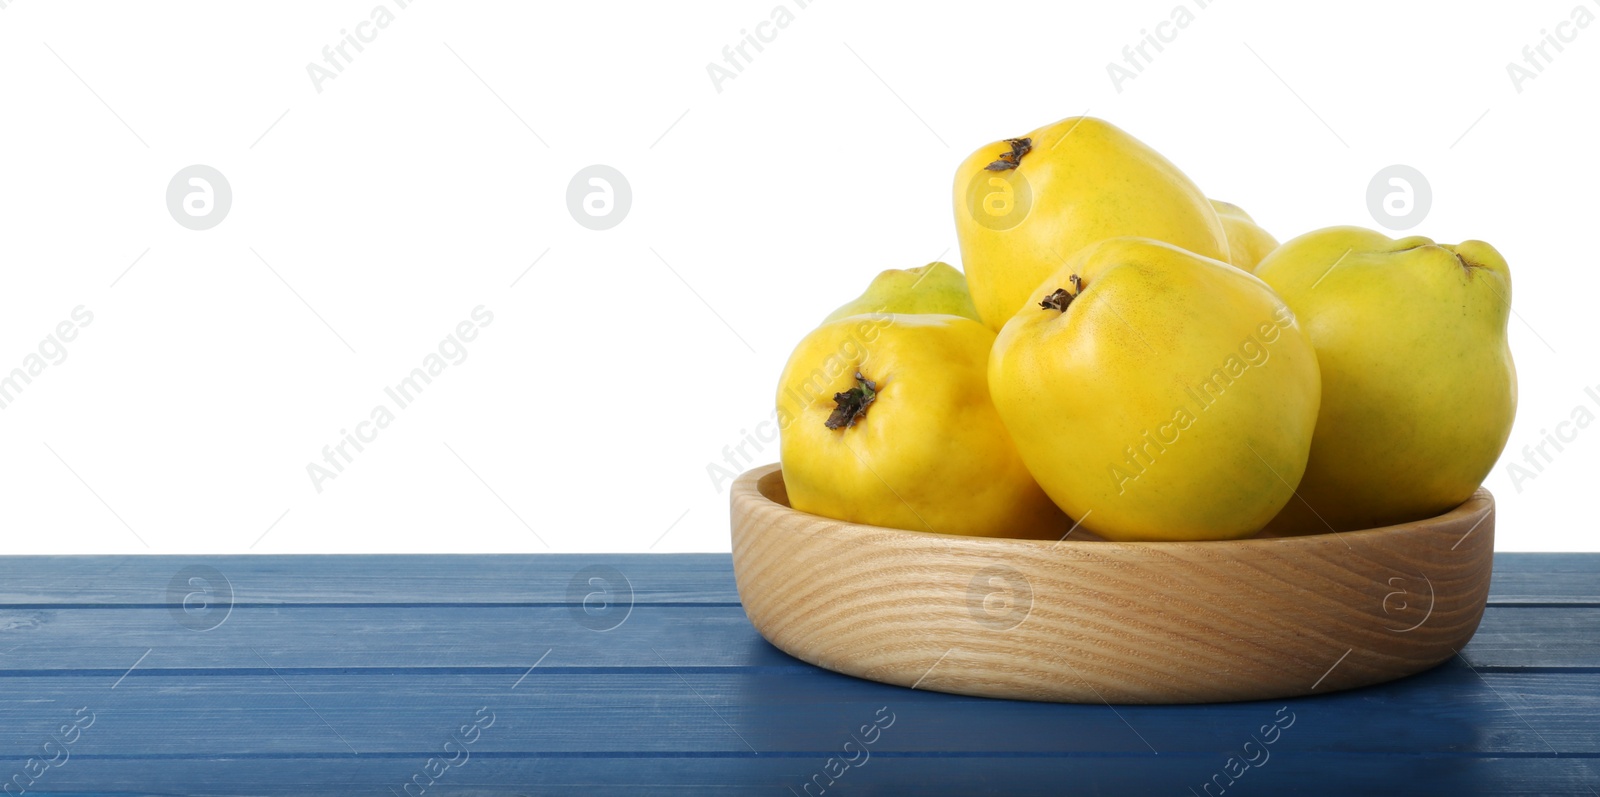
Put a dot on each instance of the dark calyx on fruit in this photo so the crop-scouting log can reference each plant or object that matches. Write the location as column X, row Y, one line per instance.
column 851, row 404
column 1010, row 160
column 1059, row 299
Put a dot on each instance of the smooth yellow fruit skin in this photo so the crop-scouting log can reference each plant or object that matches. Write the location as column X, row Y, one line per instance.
column 1174, row 399
column 1418, row 386
column 1085, row 180
column 930, row 454
column 1247, row 242
column 934, row 288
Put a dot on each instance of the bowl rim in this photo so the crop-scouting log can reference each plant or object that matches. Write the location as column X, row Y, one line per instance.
column 1481, row 502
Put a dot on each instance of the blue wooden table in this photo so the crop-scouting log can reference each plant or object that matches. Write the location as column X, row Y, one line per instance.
column 606, row 675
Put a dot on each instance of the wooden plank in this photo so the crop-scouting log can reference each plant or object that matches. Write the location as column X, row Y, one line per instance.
column 30, row 581
column 383, row 637
column 524, row 579
column 1549, row 578
column 694, row 636
column 1448, row 711
column 1287, row 771
column 1537, row 637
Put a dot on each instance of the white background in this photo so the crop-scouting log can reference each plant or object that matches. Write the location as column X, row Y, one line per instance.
column 374, row 215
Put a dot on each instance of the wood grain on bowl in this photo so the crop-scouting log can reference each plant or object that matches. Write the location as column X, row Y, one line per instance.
column 1084, row 621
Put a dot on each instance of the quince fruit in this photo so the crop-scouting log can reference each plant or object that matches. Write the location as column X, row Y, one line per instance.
column 1158, row 395
column 886, row 420
column 1025, row 205
column 1247, row 242
column 1418, row 386
column 934, row 288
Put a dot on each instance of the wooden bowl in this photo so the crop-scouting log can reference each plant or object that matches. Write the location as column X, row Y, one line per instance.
column 1089, row 621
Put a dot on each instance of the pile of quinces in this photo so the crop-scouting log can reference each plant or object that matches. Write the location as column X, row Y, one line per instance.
column 1125, row 356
